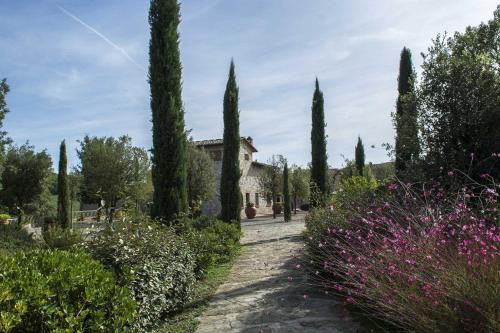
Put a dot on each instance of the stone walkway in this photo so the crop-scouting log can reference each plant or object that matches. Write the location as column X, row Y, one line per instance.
column 265, row 292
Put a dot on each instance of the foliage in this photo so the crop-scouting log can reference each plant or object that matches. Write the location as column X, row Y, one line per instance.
column 169, row 135
column 111, row 169
column 287, row 202
column 58, row 291
column 63, row 199
column 360, row 158
column 213, row 242
column 201, row 176
column 155, row 264
column 407, row 147
column 352, row 190
column 299, row 184
column 271, row 179
column 187, row 320
column 319, row 164
column 13, row 238
column 459, row 101
column 4, row 140
column 230, row 184
column 58, row 238
column 20, row 191
column 419, row 257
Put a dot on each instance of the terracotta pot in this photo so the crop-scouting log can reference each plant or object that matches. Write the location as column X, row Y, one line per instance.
column 250, row 212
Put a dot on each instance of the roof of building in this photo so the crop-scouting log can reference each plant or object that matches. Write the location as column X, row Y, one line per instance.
column 219, row 142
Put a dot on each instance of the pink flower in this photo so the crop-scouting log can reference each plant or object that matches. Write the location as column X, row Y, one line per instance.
column 392, row 187
column 450, row 173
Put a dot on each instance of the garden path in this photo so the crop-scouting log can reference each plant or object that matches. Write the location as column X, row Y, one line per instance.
column 265, row 292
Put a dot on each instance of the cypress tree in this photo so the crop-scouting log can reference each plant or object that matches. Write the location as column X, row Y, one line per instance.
column 169, row 156
column 319, row 164
column 230, row 194
column 407, row 145
column 63, row 201
column 287, row 205
column 360, row 157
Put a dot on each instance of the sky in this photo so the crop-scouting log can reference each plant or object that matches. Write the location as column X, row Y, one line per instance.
column 78, row 67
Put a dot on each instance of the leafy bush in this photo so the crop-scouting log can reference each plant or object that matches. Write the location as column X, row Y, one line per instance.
column 153, row 262
column 56, row 237
column 4, row 217
column 12, row 238
column 416, row 256
column 213, row 241
column 58, row 291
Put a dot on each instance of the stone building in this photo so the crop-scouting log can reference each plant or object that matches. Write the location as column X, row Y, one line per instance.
column 249, row 181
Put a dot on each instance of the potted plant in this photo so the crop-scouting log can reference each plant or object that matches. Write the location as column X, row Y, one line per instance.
column 250, row 210
column 4, row 218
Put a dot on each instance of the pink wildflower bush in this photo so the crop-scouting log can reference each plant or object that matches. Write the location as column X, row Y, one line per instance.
column 416, row 256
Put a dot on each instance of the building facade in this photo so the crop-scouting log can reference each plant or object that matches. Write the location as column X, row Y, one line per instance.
column 249, row 181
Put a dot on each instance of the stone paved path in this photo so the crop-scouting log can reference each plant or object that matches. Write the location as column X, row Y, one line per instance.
column 258, row 296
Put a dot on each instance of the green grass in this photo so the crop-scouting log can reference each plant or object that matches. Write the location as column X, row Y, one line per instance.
column 186, row 321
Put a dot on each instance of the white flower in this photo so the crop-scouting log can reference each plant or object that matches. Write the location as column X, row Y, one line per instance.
column 120, row 241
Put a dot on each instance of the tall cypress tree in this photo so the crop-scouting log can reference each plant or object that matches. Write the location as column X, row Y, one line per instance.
column 319, row 164
column 230, row 194
column 287, row 205
column 360, row 157
column 407, row 147
column 63, row 201
column 169, row 164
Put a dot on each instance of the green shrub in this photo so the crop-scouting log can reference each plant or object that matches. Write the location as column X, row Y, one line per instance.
column 58, row 291
column 153, row 262
column 12, row 238
column 4, row 217
column 213, row 241
column 56, row 237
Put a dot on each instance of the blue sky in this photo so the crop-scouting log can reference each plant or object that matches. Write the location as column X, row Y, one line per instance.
column 80, row 67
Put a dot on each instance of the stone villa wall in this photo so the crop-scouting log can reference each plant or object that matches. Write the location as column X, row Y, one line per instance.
column 249, row 181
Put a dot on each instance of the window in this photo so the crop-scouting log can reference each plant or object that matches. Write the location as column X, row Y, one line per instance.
column 269, row 199
column 256, row 199
column 278, row 198
column 247, row 198
column 247, row 157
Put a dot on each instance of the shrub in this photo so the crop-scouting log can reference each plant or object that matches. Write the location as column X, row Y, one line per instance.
column 56, row 237
column 57, row 291
column 418, row 257
column 12, row 238
column 4, row 217
column 153, row 262
column 212, row 241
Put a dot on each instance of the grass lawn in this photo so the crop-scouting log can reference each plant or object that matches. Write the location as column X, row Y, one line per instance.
column 187, row 320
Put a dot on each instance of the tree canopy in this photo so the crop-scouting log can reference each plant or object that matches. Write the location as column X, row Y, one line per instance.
column 169, row 134
column 112, row 169
column 201, row 176
column 24, row 178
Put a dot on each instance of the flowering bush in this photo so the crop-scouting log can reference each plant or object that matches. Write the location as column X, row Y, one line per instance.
column 416, row 256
